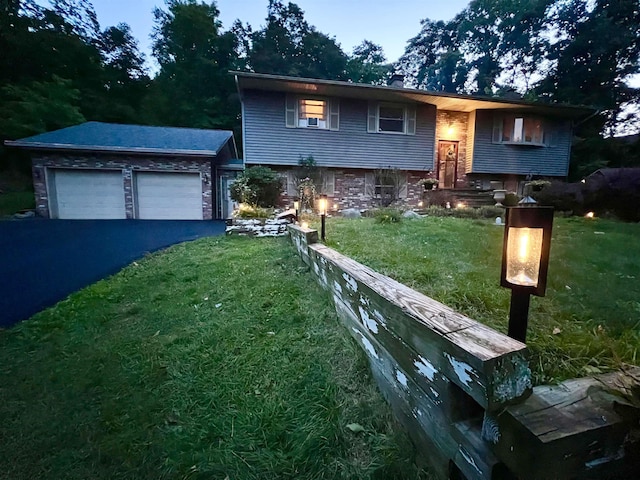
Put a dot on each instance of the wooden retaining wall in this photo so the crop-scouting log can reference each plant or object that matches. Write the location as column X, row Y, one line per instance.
column 464, row 391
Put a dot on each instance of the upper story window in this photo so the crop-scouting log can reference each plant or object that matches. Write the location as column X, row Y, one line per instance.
column 312, row 113
column 519, row 129
column 391, row 118
column 308, row 112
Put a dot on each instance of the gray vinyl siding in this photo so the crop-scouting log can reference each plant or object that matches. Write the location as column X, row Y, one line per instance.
column 269, row 142
column 498, row 158
column 471, row 134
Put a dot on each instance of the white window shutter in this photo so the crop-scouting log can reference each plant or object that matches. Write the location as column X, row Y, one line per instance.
column 334, row 114
column 328, row 183
column 403, row 190
column 497, row 129
column 411, row 120
column 290, row 111
column 369, row 184
column 372, row 118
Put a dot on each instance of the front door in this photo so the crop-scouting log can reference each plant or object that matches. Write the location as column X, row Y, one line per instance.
column 447, row 163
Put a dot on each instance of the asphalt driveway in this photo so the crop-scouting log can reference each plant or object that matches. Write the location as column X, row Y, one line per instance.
column 43, row 261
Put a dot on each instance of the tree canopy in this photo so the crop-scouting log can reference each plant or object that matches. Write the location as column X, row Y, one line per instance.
column 58, row 67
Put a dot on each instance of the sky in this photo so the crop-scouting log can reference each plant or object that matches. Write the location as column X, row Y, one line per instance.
column 386, row 22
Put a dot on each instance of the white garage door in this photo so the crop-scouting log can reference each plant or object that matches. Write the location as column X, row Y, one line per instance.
column 88, row 194
column 168, row 196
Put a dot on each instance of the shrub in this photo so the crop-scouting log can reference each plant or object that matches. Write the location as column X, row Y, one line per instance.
column 258, row 186
column 387, row 215
column 252, row 211
column 564, row 197
column 511, row 199
column 437, row 198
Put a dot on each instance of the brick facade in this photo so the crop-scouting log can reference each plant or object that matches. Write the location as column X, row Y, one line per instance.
column 453, row 126
column 128, row 164
column 350, row 190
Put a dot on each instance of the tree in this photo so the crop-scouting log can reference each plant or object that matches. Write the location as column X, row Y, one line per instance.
column 193, row 88
column 368, row 64
column 287, row 45
column 125, row 76
column 433, row 61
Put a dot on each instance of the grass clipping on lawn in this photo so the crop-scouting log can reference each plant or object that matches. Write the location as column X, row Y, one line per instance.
column 217, row 359
column 589, row 320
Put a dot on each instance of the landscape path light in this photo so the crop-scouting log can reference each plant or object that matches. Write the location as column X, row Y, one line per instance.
column 525, row 261
column 296, row 206
column 322, row 210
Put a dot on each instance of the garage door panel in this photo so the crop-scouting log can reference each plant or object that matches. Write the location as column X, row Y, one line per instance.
column 89, row 194
column 169, row 196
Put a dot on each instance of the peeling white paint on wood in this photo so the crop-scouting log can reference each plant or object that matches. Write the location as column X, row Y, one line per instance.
column 469, row 459
column 368, row 346
column 461, row 369
column 401, row 377
column 425, row 367
column 351, row 282
column 369, row 322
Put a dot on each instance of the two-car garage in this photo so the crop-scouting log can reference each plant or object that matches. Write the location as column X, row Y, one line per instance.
column 110, row 171
column 100, row 194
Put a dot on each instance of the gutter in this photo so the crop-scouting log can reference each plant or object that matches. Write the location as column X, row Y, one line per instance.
column 98, row 148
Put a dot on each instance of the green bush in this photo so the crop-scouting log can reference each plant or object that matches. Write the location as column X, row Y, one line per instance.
column 564, row 197
column 387, row 215
column 511, row 199
column 258, row 186
column 252, row 211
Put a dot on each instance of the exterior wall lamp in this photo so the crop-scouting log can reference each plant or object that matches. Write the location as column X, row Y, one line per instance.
column 322, row 210
column 525, row 261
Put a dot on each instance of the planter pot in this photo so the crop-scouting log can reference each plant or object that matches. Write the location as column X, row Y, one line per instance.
column 499, row 196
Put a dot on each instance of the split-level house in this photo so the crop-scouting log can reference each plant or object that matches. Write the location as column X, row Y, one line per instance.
column 358, row 133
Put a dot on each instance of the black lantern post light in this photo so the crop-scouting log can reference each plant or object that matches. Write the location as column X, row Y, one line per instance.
column 525, row 261
column 296, row 206
column 322, row 210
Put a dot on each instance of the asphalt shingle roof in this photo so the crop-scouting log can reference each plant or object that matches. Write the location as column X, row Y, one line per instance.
column 98, row 136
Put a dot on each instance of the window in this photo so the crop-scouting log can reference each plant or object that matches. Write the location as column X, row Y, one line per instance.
column 312, row 113
column 386, row 185
column 326, row 184
column 391, row 118
column 518, row 129
column 315, row 113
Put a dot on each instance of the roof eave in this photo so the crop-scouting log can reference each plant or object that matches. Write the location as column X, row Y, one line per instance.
column 442, row 100
column 106, row 149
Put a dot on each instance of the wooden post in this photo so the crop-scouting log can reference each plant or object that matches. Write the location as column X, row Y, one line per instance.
column 519, row 315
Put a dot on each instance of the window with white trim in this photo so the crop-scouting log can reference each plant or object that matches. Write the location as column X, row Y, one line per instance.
column 312, row 112
column 327, row 184
column 519, row 129
column 393, row 118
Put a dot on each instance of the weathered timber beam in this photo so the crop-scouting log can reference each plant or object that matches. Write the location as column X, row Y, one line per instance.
column 490, row 367
column 583, row 427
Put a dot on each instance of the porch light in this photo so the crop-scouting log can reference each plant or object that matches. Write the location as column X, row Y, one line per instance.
column 525, row 261
column 590, row 215
column 322, row 210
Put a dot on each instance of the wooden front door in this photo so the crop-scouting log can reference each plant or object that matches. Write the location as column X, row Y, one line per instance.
column 447, row 163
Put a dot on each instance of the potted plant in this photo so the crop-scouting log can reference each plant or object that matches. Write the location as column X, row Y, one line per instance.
column 429, row 183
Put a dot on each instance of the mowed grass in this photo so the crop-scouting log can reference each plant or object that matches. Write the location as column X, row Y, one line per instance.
column 216, row 359
column 12, row 202
column 588, row 322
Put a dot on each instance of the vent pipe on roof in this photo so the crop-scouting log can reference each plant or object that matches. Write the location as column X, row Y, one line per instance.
column 396, row 80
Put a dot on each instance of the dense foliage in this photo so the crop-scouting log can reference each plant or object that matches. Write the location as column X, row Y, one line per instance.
column 58, row 67
column 258, row 186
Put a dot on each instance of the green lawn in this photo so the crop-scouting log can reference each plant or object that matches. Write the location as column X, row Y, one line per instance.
column 217, row 359
column 12, row 202
column 589, row 320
